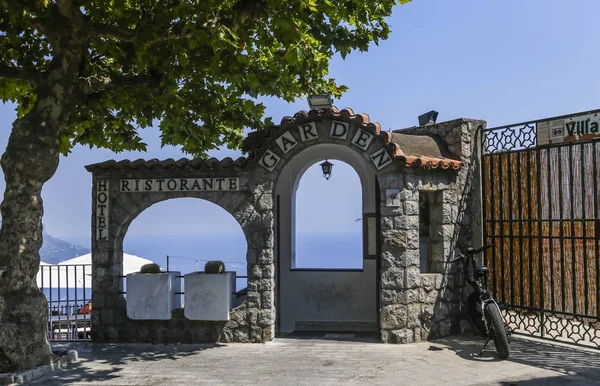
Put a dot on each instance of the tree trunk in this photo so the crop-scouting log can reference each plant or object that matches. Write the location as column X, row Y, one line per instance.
column 31, row 158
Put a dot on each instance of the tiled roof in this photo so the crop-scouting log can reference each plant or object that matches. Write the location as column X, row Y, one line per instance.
column 183, row 163
column 424, row 151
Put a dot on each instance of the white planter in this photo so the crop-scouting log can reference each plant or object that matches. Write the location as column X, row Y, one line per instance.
column 208, row 296
column 151, row 296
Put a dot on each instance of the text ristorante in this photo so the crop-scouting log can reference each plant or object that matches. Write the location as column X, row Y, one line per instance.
column 179, row 184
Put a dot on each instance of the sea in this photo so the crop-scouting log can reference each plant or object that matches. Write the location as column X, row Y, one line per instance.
column 189, row 253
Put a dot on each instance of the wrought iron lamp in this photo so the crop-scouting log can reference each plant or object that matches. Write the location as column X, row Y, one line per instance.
column 428, row 118
column 326, row 166
column 320, row 101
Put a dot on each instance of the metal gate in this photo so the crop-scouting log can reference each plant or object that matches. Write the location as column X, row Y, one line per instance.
column 541, row 213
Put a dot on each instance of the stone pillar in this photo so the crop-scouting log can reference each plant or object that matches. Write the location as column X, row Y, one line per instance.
column 415, row 305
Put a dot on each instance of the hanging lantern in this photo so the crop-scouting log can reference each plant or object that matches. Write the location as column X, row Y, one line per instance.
column 326, row 166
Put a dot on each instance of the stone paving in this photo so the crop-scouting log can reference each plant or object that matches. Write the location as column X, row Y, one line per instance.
column 301, row 361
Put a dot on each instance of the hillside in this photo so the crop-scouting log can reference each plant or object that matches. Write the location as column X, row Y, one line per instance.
column 54, row 250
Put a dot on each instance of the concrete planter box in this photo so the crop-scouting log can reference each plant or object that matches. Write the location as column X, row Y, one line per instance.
column 151, row 296
column 209, row 296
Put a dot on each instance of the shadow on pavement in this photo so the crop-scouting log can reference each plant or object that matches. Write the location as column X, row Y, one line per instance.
column 577, row 365
column 114, row 356
column 362, row 337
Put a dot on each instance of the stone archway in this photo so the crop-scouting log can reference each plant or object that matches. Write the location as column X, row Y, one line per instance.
column 434, row 161
column 125, row 189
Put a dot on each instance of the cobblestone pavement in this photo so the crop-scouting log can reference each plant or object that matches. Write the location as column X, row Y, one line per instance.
column 298, row 361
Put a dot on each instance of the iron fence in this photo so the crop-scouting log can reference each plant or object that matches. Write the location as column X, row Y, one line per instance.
column 68, row 292
column 541, row 213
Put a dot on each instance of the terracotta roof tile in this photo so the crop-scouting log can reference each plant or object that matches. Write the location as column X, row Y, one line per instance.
column 183, row 163
column 424, row 151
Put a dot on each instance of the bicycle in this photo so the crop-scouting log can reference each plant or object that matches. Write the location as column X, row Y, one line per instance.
column 483, row 309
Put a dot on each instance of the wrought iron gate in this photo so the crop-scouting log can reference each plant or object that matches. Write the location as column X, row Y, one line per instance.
column 541, row 213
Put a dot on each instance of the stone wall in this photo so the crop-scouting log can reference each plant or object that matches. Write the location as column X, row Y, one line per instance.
column 418, row 306
column 251, row 206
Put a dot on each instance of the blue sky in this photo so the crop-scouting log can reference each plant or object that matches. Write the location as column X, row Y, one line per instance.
column 502, row 61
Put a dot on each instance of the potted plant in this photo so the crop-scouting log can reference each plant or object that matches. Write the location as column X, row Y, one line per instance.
column 209, row 294
column 152, row 294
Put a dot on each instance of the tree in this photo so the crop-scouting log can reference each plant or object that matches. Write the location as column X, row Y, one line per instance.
column 95, row 72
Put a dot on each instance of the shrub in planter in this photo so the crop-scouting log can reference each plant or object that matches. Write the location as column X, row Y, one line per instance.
column 209, row 294
column 151, row 293
column 150, row 268
column 214, row 267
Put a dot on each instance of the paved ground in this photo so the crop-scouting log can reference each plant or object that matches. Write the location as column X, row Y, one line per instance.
column 297, row 361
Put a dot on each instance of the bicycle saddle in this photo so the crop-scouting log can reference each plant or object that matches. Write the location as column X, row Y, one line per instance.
column 482, row 270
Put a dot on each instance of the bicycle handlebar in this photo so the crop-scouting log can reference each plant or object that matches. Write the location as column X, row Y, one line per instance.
column 470, row 252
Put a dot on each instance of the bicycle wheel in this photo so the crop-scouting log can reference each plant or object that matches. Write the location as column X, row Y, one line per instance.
column 496, row 323
column 475, row 314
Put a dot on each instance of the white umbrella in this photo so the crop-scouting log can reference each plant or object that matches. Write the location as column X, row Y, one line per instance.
column 56, row 276
column 131, row 263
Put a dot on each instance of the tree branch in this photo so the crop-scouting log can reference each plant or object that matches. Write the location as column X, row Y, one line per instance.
column 128, row 35
column 111, row 31
column 18, row 73
column 100, row 85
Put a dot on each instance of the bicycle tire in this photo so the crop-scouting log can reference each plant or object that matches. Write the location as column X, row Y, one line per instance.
column 475, row 314
column 497, row 324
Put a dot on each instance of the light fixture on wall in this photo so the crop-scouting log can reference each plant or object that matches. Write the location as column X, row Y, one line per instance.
column 428, row 118
column 326, row 166
column 320, row 101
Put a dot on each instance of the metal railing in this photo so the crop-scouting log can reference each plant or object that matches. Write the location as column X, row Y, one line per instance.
column 68, row 292
column 541, row 213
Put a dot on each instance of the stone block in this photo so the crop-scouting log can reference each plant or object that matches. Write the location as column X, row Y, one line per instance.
column 393, row 317
column 417, row 334
column 411, row 208
column 402, row 336
column 209, row 296
column 407, row 223
column 266, row 300
column 256, row 334
column 413, row 318
column 388, row 260
column 265, row 318
column 387, row 223
column 268, row 271
column 428, row 297
column 410, row 258
column 255, row 272
column 412, row 277
column 428, row 281
column 441, row 310
column 152, row 296
column 394, row 240
column 253, row 299
column 399, row 296
column 392, row 278
column 265, row 285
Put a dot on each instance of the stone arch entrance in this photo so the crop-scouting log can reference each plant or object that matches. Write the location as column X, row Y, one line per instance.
column 324, row 299
column 123, row 190
column 408, row 302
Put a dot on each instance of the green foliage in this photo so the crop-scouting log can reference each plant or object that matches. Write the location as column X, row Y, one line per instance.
column 214, row 267
column 195, row 66
column 150, row 268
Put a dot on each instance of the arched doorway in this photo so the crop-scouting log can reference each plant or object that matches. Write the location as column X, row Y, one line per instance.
column 328, row 225
column 324, row 299
column 183, row 234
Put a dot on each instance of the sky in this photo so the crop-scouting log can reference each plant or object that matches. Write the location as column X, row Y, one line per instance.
column 502, row 61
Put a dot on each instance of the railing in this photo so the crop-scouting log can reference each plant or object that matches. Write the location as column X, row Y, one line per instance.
column 68, row 291
column 169, row 268
column 541, row 212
